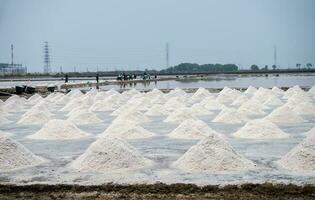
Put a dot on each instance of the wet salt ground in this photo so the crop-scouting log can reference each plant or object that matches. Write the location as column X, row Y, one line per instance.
column 161, row 149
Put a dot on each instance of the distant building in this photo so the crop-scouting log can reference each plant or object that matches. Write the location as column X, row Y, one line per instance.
column 12, row 69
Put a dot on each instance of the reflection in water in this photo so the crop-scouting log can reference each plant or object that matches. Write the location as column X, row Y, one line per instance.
column 221, row 81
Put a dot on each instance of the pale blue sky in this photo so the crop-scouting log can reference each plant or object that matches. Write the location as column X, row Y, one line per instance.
column 122, row 34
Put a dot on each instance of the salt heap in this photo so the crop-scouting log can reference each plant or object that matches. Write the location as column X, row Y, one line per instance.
column 240, row 100
column 13, row 106
column 34, row 98
column 200, row 94
column 312, row 90
column 273, row 101
column 252, row 107
column 301, row 157
column 262, row 94
column 57, row 129
column 250, row 90
column 34, row 118
column 108, row 104
column 84, row 117
column 157, row 110
column 211, row 104
column 122, row 131
column 75, row 93
column 107, row 154
column 4, row 120
column 213, row 154
column 230, row 116
column 227, row 95
column 199, row 110
column 260, row 129
column 284, row 114
column 174, row 104
column 72, row 104
column 304, row 108
column 177, row 92
column 192, row 129
column 132, row 117
column 277, row 91
column 180, row 116
column 14, row 155
column 296, row 90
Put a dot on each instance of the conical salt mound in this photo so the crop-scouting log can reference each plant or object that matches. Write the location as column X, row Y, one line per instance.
column 312, row 90
column 131, row 117
column 273, row 101
column 128, row 132
column 301, row 157
column 200, row 94
column 157, row 110
column 240, row 100
column 260, row 129
column 107, row 154
column 14, row 155
column 75, row 93
column 304, row 108
column 34, row 118
column 284, row 114
column 252, row 107
column 72, row 104
column 13, row 107
column 192, row 129
column 296, row 90
column 199, row 110
column 84, row 117
column 213, row 155
column 4, row 120
column 34, row 98
column 213, row 105
column 250, row 90
column 230, row 116
column 179, row 116
column 58, row 129
column 277, row 91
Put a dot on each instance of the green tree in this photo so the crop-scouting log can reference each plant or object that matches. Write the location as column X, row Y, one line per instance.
column 266, row 67
column 309, row 65
column 254, row 67
column 274, row 67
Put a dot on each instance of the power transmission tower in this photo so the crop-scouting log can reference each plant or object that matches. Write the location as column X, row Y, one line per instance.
column 11, row 54
column 47, row 68
column 167, row 56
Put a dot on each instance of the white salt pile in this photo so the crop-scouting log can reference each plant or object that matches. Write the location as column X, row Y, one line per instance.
column 4, row 120
column 298, row 98
column 134, row 117
column 292, row 91
column 230, row 116
column 211, row 104
column 240, row 100
column 199, row 110
column 13, row 106
column 262, row 94
column 79, row 109
column 252, row 107
column 304, row 108
column 200, row 94
column 108, row 104
column 277, row 91
column 192, row 129
column 227, row 97
column 250, row 90
column 74, row 103
column 110, row 154
column 157, row 110
column 310, row 132
column 84, row 117
column 57, row 129
column 14, row 155
column 75, row 93
column 34, row 118
column 284, row 114
column 273, row 101
column 213, row 155
column 260, row 129
column 180, row 116
column 312, row 90
column 301, row 157
column 34, row 98
column 127, row 132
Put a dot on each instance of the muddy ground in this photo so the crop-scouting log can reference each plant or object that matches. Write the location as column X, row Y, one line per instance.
column 157, row 191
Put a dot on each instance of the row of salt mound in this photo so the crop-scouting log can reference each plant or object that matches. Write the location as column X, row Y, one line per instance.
column 122, row 130
column 57, row 129
column 192, row 129
column 110, row 154
column 301, row 157
column 284, row 114
column 230, row 116
column 213, row 154
column 14, row 155
column 260, row 129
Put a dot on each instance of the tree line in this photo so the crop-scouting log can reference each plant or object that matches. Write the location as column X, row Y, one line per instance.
column 194, row 67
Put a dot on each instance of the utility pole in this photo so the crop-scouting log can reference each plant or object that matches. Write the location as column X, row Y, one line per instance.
column 11, row 54
column 167, row 55
column 275, row 55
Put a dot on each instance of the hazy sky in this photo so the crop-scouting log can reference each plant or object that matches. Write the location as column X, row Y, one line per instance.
column 123, row 34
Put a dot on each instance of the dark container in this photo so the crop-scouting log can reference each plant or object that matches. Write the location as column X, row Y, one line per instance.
column 51, row 89
column 19, row 89
column 30, row 90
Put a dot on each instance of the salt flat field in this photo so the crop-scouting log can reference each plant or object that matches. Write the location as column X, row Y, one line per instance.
column 231, row 137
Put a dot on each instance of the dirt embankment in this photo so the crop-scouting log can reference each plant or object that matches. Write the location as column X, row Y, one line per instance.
column 157, row 191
